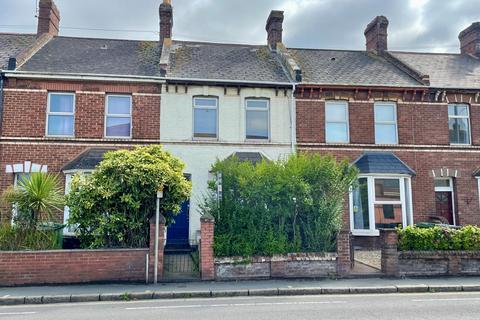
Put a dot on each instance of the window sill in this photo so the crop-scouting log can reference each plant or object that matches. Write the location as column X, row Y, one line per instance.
column 366, row 233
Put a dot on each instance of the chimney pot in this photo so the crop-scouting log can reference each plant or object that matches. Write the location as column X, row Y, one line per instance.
column 376, row 35
column 470, row 40
column 166, row 20
column 274, row 28
column 48, row 18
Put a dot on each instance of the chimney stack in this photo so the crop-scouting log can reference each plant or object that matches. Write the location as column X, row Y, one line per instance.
column 48, row 18
column 274, row 28
column 166, row 20
column 470, row 40
column 376, row 35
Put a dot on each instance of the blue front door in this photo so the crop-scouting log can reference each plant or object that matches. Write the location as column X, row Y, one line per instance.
column 177, row 233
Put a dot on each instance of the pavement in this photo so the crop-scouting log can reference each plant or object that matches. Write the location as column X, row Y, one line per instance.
column 129, row 292
column 425, row 306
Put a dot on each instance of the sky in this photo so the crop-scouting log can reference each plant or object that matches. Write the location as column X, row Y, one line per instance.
column 415, row 25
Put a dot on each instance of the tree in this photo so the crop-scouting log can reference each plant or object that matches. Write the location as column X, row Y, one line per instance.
column 35, row 198
column 112, row 206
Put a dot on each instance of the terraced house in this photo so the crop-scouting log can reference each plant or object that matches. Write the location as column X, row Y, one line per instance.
column 72, row 99
column 407, row 120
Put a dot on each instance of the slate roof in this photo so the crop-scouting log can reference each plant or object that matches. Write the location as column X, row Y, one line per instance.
column 87, row 160
column 253, row 157
column 97, row 56
column 343, row 67
column 445, row 70
column 213, row 61
column 382, row 162
column 12, row 44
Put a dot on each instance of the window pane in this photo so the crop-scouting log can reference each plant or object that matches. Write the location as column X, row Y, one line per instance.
column 361, row 217
column 263, row 104
column 388, row 215
column 386, row 134
column 458, row 110
column 60, row 125
column 118, row 105
column 22, row 178
column 384, row 112
column 257, row 124
column 442, row 183
column 459, row 131
column 205, row 102
column 118, row 127
column 387, row 189
column 337, row 132
column 61, row 102
column 336, row 112
column 205, row 123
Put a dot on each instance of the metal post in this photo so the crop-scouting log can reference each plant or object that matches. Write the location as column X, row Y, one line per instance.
column 157, row 218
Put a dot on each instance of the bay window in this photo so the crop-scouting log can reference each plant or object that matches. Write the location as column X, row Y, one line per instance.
column 380, row 201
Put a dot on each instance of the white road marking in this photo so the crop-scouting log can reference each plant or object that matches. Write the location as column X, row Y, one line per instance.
column 16, row 313
column 225, row 305
column 446, row 299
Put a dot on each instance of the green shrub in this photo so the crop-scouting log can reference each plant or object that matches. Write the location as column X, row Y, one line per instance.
column 439, row 238
column 112, row 206
column 291, row 205
column 14, row 238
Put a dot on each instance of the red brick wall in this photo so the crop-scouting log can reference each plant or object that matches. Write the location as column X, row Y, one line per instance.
column 25, row 107
column 207, row 263
column 71, row 266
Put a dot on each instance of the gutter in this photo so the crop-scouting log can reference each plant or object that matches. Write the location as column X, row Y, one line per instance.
column 234, row 82
column 84, row 77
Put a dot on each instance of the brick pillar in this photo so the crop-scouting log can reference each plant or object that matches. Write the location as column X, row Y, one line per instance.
column 344, row 255
column 207, row 266
column 389, row 241
column 161, row 240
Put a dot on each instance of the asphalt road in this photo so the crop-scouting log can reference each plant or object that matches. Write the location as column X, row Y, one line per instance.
column 391, row 306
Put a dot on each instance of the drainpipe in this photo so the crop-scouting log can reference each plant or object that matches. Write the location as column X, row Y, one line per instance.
column 1, row 99
column 293, row 118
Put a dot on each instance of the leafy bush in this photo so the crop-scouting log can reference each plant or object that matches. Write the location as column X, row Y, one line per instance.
column 112, row 206
column 439, row 238
column 15, row 238
column 290, row 205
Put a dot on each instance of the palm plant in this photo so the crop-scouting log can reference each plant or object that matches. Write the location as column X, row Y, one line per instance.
column 35, row 198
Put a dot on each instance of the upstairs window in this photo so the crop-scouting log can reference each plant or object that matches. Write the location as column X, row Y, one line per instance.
column 205, row 118
column 459, row 123
column 386, row 123
column 118, row 119
column 336, row 122
column 257, row 119
column 60, row 114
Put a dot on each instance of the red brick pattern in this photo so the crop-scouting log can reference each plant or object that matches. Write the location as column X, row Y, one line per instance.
column 344, row 257
column 389, row 242
column 207, row 262
column 161, row 238
column 71, row 266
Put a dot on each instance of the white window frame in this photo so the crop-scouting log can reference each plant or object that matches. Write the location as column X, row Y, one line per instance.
column 394, row 122
column 346, row 122
column 117, row 115
column 209, row 108
column 66, row 210
column 448, row 189
column 407, row 208
column 460, row 117
column 247, row 108
column 49, row 113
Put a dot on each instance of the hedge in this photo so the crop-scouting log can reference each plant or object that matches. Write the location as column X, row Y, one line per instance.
column 439, row 238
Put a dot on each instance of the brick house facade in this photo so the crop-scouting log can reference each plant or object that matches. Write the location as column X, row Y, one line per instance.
column 419, row 112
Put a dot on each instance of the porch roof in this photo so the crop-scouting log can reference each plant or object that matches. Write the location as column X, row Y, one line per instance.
column 382, row 162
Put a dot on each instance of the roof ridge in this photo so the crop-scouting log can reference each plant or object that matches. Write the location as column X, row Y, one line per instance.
column 324, row 49
column 16, row 34
column 109, row 39
column 221, row 43
column 428, row 53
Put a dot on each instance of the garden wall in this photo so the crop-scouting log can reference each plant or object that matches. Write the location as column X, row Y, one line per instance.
column 302, row 265
column 397, row 263
column 71, row 266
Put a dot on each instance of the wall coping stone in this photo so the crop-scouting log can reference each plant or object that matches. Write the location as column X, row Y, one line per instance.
column 60, row 251
column 439, row 254
column 318, row 256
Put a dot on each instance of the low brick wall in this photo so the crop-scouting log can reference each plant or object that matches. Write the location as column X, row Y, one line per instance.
column 438, row 263
column 302, row 265
column 71, row 266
